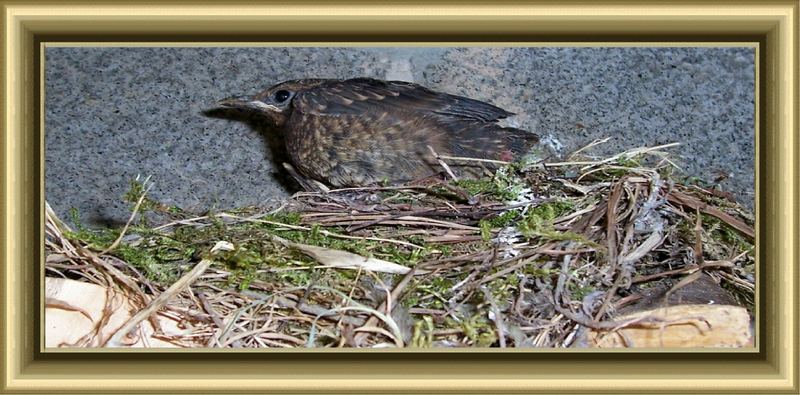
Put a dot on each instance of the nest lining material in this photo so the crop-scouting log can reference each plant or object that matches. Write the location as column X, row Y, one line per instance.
column 527, row 257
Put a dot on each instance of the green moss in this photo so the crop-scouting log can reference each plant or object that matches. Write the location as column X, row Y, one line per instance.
column 411, row 300
column 550, row 211
column 538, row 222
column 505, row 185
column 135, row 191
column 430, row 294
column 693, row 180
column 156, row 256
column 240, row 257
column 727, row 234
column 539, row 272
column 422, row 335
column 252, row 260
column 478, row 329
column 284, row 217
column 717, row 236
column 297, row 277
column 216, row 221
column 152, row 267
column 75, row 217
column 492, row 188
column 159, row 257
column 631, row 162
column 579, row 292
column 503, row 288
column 504, row 219
column 486, row 230
column 95, row 239
column 369, row 248
column 255, row 252
column 444, row 250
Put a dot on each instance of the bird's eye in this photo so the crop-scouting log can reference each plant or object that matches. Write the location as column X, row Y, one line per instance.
column 282, row 95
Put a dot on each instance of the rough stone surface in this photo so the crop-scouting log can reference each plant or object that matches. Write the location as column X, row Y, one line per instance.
column 113, row 113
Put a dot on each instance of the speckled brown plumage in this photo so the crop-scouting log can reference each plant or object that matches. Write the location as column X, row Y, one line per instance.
column 363, row 131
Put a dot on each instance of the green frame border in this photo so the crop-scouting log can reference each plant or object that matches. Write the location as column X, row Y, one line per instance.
column 772, row 26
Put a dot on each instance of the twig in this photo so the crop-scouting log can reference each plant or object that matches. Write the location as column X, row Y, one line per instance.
column 631, row 153
column 395, row 294
column 343, row 259
column 385, row 218
column 466, row 159
column 139, row 202
column 689, row 269
column 443, row 164
column 698, row 238
column 694, row 203
column 611, row 227
column 321, row 231
column 498, row 317
column 588, row 146
column 159, row 302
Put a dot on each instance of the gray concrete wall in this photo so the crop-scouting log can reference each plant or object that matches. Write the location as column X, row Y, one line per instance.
column 113, row 113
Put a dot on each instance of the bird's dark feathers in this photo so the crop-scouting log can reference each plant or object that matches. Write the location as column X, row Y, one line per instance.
column 364, row 131
column 362, row 95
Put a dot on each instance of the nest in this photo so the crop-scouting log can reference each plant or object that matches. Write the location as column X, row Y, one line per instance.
column 526, row 257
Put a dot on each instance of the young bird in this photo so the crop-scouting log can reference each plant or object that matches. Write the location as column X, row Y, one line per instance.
column 363, row 131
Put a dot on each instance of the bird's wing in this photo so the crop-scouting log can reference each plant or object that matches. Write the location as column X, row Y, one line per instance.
column 362, row 95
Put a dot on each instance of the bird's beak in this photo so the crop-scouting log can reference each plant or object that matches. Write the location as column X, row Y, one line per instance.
column 244, row 103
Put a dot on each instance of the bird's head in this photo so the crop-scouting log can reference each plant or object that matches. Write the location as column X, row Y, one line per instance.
column 274, row 103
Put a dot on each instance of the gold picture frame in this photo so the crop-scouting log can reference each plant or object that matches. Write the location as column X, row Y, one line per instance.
column 772, row 25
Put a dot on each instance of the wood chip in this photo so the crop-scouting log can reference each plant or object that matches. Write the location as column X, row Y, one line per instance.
column 685, row 326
